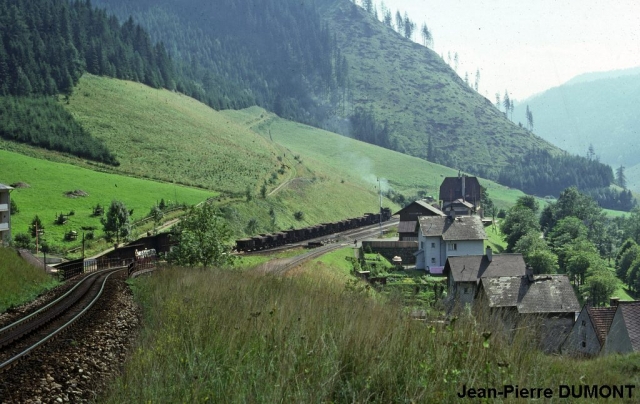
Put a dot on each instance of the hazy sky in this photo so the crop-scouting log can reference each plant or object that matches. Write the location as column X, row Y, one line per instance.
column 529, row 46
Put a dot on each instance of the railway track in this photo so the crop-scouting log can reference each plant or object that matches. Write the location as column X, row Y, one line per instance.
column 352, row 234
column 284, row 265
column 22, row 337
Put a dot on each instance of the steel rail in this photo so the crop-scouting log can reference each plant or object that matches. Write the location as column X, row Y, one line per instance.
column 51, row 304
column 64, row 326
column 295, row 261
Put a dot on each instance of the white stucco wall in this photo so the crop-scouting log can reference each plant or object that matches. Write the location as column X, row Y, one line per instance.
column 5, row 217
column 435, row 251
column 464, row 247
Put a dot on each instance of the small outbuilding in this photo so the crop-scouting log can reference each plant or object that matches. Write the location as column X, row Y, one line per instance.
column 408, row 227
column 544, row 301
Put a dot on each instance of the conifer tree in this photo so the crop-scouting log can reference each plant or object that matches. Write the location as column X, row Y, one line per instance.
column 621, row 179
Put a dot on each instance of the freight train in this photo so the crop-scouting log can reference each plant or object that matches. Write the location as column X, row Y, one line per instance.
column 266, row 241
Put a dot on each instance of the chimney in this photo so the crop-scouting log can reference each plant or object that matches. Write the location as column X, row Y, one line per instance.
column 463, row 193
column 613, row 302
column 489, row 254
column 529, row 273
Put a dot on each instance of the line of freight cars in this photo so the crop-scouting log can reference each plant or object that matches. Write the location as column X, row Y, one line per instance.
column 266, row 241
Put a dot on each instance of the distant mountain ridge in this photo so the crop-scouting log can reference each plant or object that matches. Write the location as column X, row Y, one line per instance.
column 596, row 108
column 611, row 74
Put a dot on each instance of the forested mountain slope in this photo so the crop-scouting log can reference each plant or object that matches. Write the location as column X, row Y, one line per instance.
column 335, row 62
column 422, row 98
column 45, row 46
column 272, row 53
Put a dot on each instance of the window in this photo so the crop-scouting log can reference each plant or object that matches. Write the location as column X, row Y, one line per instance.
column 453, row 247
column 584, row 344
column 422, row 245
column 584, row 323
column 466, row 291
column 433, row 260
column 433, row 245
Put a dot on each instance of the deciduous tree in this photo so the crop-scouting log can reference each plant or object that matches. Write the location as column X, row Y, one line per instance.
column 518, row 222
column 116, row 223
column 203, row 237
column 599, row 286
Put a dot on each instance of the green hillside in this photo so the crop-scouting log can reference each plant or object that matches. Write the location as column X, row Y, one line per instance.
column 368, row 66
column 49, row 182
column 19, row 281
column 169, row 136
column 421, row 97
column 164, row 135
column 357, row 161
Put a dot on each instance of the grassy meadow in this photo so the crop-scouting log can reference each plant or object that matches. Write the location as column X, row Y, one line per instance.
column 19, row 281
column 358, row 162
column 239, row 336
column 171, row 137
column 49, row 181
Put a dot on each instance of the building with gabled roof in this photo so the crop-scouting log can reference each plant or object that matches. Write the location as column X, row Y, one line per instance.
column 520, row 300
column 465, row 272
column 442, row 237
column 589, row 332
column 463, row 188
column 408, row 226
column 624, row 333
column 5, row 214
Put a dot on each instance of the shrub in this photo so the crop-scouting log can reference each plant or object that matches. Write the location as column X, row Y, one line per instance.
column 14, row 207
column 299, row 215
column 22, row 240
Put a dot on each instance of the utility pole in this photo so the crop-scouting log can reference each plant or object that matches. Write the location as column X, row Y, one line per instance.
column 36, row 226
column 380, row 211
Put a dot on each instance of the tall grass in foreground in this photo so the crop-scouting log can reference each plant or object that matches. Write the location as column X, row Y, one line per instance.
column 225, row 336
column 19, row 281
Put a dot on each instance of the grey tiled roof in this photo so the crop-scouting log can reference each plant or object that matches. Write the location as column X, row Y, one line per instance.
column 461, row 202
column 542, row 294
column 431, row 208
column 505, row 291
column 470, row 268
column 549, row 294
column 428, row 207
column 631, row 316
column 407, row 226
column 460, row 228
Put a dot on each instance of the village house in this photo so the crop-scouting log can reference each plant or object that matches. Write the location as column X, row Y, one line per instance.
column 461, row 195
column 5, row 214
column 589, row 332
column 465, row 272
column 624, row 333
column 442, row 237
column 408, row 226
column 547, row 304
